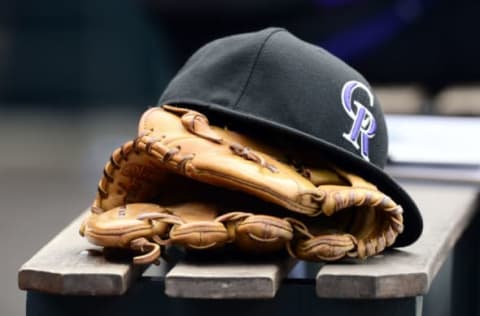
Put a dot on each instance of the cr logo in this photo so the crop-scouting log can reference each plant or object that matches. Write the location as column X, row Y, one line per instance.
column 363, row 125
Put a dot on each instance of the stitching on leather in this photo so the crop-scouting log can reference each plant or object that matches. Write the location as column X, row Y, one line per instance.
column 118, row 156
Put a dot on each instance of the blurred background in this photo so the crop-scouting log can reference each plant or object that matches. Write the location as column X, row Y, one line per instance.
column 76, row 75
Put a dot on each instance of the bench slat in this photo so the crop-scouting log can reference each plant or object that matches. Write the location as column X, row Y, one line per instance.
column 226, row 280
column 68, row 264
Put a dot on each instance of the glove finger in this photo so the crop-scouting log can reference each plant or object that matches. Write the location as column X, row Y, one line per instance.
column 250, row 232
column 119, row 226
column 328, row 247
column 199, row 229
column 263, row 233
column 200, row 235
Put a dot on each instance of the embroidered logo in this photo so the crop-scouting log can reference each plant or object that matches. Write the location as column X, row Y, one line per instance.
column 363, row 125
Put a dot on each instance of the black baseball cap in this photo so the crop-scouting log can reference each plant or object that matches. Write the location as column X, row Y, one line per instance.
column 273, row 85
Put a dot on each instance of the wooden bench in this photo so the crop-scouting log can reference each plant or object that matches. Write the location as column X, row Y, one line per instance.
column 69, row 275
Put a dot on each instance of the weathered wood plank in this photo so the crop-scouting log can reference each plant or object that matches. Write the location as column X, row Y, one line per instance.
column 409, row 271
column 68, row 264
column 226, row 279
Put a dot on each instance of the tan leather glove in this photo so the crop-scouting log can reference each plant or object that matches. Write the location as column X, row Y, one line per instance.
column 179, row 211
column 332, row 213
column 122, row 227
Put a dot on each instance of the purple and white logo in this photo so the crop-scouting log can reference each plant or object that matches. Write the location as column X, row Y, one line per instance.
column 363, row 122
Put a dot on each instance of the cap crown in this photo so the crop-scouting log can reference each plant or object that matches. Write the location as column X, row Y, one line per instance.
column 275, row 76
column 272, row 85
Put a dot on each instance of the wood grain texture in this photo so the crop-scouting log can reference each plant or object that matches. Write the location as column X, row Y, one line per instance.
column 226, row 280
column 408, row 271
column 68, row 264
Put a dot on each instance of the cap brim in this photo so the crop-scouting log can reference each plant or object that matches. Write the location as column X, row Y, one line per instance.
column 244, row 122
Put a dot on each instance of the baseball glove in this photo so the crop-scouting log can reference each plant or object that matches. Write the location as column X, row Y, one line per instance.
column 213, row 186
column 207, row 217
